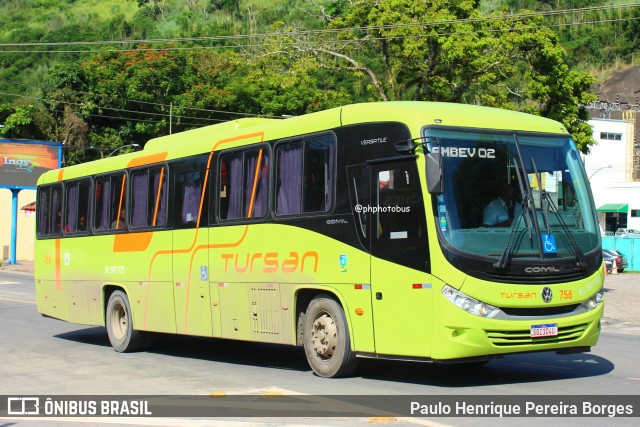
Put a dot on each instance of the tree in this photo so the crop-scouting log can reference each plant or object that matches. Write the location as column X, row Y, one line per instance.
column 26, row 121
column 447, row 51
column 274, row 84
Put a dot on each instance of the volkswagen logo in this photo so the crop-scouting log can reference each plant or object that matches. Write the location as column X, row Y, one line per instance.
column 547, row 295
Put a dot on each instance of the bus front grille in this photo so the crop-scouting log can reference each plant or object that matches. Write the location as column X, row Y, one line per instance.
column 540, row 311
column 523, row 337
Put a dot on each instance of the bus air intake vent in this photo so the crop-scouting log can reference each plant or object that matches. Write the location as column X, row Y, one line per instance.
column 523, row 338
column 540, row 311
column 266, row 317
column 531, row 279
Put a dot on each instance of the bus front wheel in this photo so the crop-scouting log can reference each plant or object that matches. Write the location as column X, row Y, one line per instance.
column 119, row 322
column 326, row 339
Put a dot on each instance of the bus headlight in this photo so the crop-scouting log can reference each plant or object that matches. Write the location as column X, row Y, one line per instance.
column 594, row 301
column 468, row 304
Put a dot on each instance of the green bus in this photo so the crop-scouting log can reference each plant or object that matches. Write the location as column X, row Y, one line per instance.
column 367, row 231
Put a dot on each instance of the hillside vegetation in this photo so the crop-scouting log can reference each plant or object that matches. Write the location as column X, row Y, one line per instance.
column 96, row 75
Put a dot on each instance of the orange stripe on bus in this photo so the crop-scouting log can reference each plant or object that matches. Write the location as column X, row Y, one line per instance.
column 124, row 182
column 155, row 211
column 132, row 242
column 60, row 174
column 253, row 193
column 147, row 160
column 255, row 184
column 195, row 237
column 57, row 264
column 193, row 254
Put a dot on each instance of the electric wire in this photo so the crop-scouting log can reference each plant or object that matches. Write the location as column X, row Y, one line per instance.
column 513, row 18
column 498, row 17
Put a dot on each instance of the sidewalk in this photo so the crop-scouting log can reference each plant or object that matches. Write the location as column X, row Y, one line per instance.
column 23, row 266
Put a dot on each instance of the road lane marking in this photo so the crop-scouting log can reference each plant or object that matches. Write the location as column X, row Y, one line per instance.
column 17, row 300
column 274, row 392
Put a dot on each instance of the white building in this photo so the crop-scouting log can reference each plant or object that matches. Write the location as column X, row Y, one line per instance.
column 610, row 166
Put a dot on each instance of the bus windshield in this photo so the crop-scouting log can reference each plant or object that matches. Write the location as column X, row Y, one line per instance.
column 513, row 195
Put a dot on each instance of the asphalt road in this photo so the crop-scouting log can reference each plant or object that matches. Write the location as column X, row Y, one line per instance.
column 41, row 356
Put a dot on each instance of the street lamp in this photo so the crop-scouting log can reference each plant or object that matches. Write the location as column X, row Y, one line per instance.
column 120, row 148
column 598, row 170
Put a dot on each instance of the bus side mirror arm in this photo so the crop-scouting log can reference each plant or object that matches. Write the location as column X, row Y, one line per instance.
column 435, row 173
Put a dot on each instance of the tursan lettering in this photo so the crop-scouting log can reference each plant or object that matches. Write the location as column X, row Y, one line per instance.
column 271, row 262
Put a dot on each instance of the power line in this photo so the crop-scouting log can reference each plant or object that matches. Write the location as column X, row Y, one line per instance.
column 149, row 113
column 519, row 17
column 324, row 42
column 126, row 118
column 155, row 104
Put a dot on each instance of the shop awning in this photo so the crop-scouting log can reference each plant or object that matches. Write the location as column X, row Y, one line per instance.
column 614, row 207
column 31, row 207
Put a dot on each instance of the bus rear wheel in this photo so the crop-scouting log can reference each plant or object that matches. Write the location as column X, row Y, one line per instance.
column 119, row 322
column 326, row 339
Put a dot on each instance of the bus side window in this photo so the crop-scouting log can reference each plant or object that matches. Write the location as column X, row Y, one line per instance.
column 110, row 202
column 243, row 191
column 318, row 175
column 230, row 191
column 84, row 190
column 188, row 196
column 358, row 177
column 148, row 187
column 49, row 212
column 256, row 183
column 118, row 202
column 44, row 211
column 305, row 175
column 289, row 178
column 76, row 206
column 399, row 233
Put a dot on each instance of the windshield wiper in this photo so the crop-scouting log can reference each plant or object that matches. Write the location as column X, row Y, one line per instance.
column 544, row 197
column 547, row 201
column 527, row 209
column 566, row 233
column 505, row 258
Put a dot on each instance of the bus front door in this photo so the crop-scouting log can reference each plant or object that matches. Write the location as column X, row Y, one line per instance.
column 190, row 257
column 400, row 280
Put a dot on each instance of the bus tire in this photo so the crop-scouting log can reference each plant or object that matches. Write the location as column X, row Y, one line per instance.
column 326, row 339
column 119, row 322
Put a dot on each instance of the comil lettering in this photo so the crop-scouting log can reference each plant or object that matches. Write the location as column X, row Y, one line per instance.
column 542, row 270
column 482, row 153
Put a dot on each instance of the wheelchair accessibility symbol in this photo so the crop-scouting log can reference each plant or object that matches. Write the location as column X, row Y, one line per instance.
column 549, row 244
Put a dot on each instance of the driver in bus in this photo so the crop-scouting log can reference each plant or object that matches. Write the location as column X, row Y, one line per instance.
column 499, row 211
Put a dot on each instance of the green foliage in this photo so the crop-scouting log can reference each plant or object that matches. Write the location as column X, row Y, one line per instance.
column 512, row 62
column 132, row 92
column 25, row 122
column 278, row 88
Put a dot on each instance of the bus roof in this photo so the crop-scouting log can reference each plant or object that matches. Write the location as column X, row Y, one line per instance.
column 415, row 114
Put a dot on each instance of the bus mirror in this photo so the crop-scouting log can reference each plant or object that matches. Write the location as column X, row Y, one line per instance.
column 435, row 172
column 405, row 146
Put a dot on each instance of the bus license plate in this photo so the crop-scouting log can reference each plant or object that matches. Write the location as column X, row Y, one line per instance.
column 548, row 330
